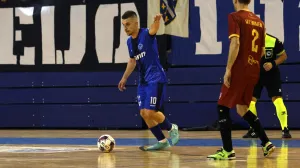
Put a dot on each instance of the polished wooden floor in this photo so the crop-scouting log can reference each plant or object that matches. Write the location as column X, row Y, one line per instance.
column 14, row 154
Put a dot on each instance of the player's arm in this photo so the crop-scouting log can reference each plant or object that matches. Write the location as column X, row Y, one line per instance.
column 263, row 51
column 234, row 36
column 233, row 52
column 129, row 68
column 155, row 25
column 280, row 52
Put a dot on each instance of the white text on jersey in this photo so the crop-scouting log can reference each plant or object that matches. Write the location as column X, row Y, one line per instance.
column 139, row 56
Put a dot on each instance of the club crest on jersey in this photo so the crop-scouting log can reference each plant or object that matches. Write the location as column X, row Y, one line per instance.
column 139, row 56
column 140, row 46
column 167, row 9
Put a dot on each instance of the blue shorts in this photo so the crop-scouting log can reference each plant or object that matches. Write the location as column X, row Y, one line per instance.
column 151, row 96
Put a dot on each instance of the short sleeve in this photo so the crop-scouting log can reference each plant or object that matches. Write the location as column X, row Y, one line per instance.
column 233, row 26
column 147, row 31
column 129, row 45
column 279, row 48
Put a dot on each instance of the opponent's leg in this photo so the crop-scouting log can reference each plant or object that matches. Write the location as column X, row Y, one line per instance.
column 226, row 100
column 156, row 131
column 243, row 110
column 282, row 115
column 251, row 133
column 227, row 151
column 252, row 107
column 254, row 122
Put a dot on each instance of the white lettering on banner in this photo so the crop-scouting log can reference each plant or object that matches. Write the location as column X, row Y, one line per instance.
column 104, row 31
column 25, row 19
column 78, row 35
column 208, row 25
column 121, row 55
column 48, row 36
column 6, row 34
column 274, row 20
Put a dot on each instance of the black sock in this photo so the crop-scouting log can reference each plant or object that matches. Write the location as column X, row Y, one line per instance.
column 157, row 132
column 166, row 124
column 225, row 127
column 255, row 124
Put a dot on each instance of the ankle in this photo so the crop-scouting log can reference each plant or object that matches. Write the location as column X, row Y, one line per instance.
column 173, row 127
column 163, row 141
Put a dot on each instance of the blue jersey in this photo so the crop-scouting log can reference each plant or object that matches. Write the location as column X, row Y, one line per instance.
column 144, row 50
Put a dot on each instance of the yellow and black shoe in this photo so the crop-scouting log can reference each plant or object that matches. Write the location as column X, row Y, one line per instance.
column 268, row 149
column 222, row 155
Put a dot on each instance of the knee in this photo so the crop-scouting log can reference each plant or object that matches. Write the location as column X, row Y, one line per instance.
column 274, row 98
column 224, row 117
column 143, row 114
column 223, row 112
column 241, row 109
column 254, row 99
column 146, row 114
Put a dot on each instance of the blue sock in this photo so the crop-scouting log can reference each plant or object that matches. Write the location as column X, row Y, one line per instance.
column 166, row 124
column 157, row 132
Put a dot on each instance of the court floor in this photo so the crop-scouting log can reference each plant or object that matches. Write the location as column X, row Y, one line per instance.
column 77, row 149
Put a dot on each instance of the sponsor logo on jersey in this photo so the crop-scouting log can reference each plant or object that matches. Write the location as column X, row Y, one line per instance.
column 139, row 56
column 252, row 61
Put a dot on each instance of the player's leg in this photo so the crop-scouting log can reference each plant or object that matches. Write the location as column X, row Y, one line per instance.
column 149, row 101
column 165, row 124
column 253, row 120
column 154, row 127
column 252, row 107
column 226, row 101
column 282, row 115
column 152, row 124
column 275, row 92
column 158, row 92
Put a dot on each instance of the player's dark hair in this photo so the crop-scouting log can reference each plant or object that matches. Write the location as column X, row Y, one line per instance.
column 129, row 14
column 244, row 1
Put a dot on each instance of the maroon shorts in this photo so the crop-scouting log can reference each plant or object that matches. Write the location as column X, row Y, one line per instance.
column 240, row 92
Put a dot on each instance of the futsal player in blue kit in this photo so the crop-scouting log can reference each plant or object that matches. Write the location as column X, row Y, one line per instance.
column 143, row 51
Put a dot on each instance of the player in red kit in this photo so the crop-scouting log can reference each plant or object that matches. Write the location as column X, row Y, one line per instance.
column 247, row 41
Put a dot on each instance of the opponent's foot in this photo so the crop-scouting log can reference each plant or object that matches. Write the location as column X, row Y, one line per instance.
column 286, row 133
column 221, row 154
column 250, row 134
column 157, row 146
column 268, row 149
column 174, row 134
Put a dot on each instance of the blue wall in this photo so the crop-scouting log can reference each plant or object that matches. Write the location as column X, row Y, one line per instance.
column 91, row 99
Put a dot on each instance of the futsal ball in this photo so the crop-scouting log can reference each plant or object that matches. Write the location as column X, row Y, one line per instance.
column 106, row 143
